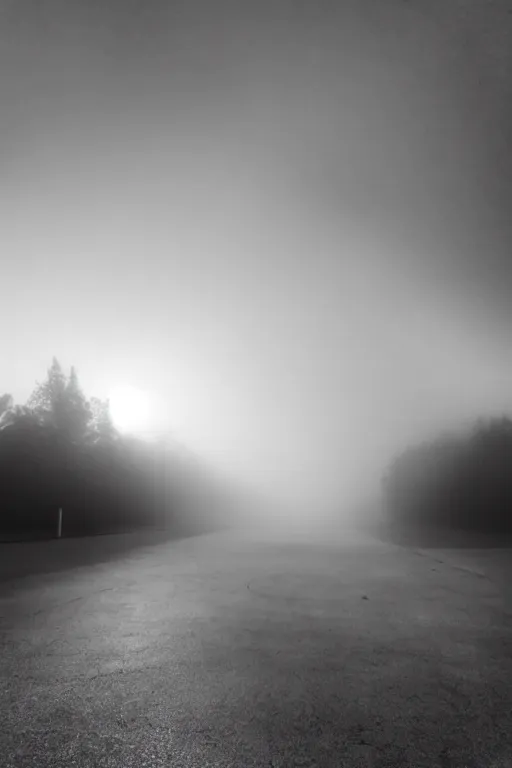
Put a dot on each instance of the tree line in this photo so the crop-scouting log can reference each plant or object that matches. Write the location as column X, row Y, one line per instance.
column 456, row 482
column 61, row 450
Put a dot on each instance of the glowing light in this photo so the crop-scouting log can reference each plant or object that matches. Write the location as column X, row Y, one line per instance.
column 130, row 408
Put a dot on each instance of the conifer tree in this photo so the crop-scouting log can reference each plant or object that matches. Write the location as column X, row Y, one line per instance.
column 48, row 397
column 101, row 425
column 60, row 402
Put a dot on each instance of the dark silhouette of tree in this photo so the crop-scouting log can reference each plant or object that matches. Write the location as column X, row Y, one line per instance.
column 455, row 482
column 60, row 451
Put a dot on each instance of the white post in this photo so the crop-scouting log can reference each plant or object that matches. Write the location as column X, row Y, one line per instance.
column 59, row 524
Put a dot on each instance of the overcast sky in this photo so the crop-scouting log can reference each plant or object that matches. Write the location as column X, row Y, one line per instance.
column 289, row 222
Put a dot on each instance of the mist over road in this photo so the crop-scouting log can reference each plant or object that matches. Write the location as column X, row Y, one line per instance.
column 257, row 648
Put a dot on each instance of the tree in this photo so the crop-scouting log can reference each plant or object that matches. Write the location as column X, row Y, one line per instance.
column 77, row 412
column 101, row 424
column 6, row 410
column 6, row 403
column 19, row 416
column 48, row 397
column 60, row 402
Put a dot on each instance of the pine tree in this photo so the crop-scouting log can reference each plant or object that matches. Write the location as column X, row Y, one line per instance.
column 48, row 397
column 60, row 402
column 101, row 425
column 77, row 411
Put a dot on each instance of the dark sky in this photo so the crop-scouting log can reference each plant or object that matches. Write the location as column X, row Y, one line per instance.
column 289, row 223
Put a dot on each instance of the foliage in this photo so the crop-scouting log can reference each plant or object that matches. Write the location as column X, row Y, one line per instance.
column 6, row 403
column 101, row 426
column 60, row 450
column 49, row 395
column 77, row 411
column 462, row 482
column 59, row 400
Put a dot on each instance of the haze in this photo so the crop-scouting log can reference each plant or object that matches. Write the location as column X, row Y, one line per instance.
column 288, row 223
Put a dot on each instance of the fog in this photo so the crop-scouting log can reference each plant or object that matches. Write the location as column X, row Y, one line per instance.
column 290, row 226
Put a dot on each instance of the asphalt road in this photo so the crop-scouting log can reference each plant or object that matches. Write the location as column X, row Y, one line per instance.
column 237, row 650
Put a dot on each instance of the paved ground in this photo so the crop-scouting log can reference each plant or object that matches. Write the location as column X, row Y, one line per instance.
column 21, row 559
column 237, row 650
